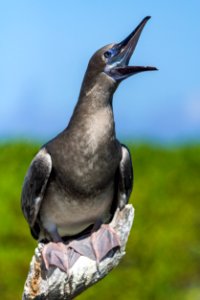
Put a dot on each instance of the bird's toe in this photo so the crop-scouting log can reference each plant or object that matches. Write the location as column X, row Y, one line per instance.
column 55, row 255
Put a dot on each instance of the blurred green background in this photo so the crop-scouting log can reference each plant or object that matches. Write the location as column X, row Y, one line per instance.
column 162, row 260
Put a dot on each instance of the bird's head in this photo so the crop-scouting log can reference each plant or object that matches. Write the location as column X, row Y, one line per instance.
column 113, row 59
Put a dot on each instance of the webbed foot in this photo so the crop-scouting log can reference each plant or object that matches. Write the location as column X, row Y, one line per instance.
column 95, row 246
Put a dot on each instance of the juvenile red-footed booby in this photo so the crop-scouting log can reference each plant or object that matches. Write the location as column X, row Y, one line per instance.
column 80, row 176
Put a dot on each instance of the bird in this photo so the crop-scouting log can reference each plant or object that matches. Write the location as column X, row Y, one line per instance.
column 76, row 179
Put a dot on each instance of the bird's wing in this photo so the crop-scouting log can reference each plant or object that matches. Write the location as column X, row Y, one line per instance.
column 125, row 177
column 34, row 185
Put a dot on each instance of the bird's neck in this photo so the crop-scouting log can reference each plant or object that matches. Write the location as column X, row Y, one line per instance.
column 97, row 90
column 96, row 95
column 93, row 119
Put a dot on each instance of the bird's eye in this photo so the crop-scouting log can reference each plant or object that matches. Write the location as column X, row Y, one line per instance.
column 108, row 54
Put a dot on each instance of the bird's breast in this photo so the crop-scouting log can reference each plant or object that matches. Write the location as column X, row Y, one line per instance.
column 90, row 153
column 71, row 214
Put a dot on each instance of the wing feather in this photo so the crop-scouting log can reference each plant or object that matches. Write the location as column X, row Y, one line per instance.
column 34, row 185
column 125, row 177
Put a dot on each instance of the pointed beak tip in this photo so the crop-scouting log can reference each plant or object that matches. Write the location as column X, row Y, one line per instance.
column 148, row 68
column 147, row 18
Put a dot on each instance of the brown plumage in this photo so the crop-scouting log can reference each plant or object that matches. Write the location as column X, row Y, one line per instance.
column 78, row 176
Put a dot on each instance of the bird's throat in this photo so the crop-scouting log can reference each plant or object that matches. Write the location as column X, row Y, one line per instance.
column 93, row 115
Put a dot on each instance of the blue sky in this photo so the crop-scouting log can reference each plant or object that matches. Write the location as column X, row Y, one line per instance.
column 45, row 47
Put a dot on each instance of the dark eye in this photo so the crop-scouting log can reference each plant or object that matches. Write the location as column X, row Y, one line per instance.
column 108, row 54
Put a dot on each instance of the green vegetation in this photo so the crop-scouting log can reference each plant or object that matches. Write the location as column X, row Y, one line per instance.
column 163, row 253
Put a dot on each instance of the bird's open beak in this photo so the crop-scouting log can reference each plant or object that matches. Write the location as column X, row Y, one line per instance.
column 117, row 66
